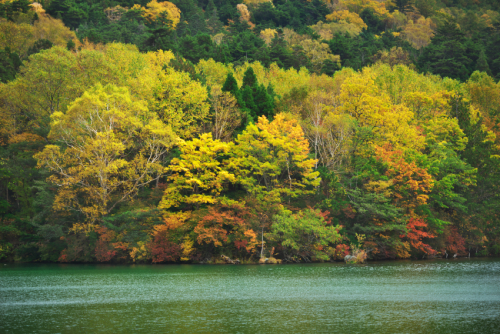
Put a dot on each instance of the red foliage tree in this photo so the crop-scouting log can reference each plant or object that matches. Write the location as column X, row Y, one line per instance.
column 239, row 244
column 63, row 257
column 455, row 243
column 162, row 249
column 416, row 235
column 104, row 252
column 341, row 251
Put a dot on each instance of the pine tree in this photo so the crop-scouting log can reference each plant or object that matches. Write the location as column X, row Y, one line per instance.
column 249, row 78
column 197, row 22
column 249, row 104
column 482, row 63
column 264, row 103
column 210, row 9
column 230, row 85
column 446, row 55
column 9, row 65
column 214, row 24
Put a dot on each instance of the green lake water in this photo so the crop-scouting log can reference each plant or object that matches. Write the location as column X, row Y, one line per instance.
column 441, row 296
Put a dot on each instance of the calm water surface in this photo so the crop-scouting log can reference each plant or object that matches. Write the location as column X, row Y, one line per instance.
column 457, row 296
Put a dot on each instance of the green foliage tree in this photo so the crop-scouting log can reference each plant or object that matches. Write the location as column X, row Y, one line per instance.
column 9, row 65
column 304, row 235
column 446, row 55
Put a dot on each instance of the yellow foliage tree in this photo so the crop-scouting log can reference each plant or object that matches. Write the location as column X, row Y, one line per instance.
column 268, row 34
column 45, row 85
column 156, row 9
column 215, row 72
column 244, row 14
column 20, row 36
column 399, row 81
column 357, row 6
column 390, row 123
column 318, row 53
column 395, row 56
column 110, row 146
column 273, row 162
column 283, row 80
column 16, row 37
column 53, row 30
column 328, row 30
column 420, row 33
column 50, row 80
column 201, row 173
column 227, row 116
column 37, row 7
column 180, row 102
column 347, row 16
column 328, row 131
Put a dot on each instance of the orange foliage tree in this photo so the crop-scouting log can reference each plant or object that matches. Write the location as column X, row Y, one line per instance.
column 103, row 250
column 411, row 183
column 226, row 224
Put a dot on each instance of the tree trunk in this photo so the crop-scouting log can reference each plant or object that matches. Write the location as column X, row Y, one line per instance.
column 262, row 246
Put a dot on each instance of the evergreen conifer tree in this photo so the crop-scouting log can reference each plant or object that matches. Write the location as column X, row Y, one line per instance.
column 446, row 55
column 482, row 63
column 249, row 78
column 230, row 85
column 214, row 24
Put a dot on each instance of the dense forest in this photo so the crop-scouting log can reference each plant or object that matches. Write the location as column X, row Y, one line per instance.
column 270, row 131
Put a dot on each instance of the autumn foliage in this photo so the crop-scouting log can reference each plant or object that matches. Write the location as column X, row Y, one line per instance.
column 262, row 131
column 162, row 249
column 455, row 243
column 416, row 233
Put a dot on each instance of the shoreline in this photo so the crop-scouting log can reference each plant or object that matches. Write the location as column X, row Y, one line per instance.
column 249, row 263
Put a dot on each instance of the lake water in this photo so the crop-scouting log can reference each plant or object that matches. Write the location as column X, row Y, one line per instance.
column 441, row 296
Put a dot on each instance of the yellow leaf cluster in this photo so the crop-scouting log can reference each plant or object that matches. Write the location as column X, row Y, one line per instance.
column 227, row 117
column 199, row 175
column 16, row 37
column 256, row 2
column 268, row 34
column 19, row 37
column 155, row 10
column 273, row 159
column 187, row 248
column 37, row 7
column 282, row 80
column 391, row 123
column 93, row 169
column 318, row 52
column 244, row 14
column 394, row 56
column 419, row 33
column 50, row 80
column 347, row 16
column 357, row 6
column 139, row 253
column 53, row 30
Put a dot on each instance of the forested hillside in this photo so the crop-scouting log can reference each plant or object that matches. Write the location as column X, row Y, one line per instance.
column 286, row 130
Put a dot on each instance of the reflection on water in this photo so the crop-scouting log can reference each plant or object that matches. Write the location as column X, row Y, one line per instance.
column 460, row 296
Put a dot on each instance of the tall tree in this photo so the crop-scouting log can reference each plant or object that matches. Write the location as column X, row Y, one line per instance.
column 108, row 147
column 446, row 55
